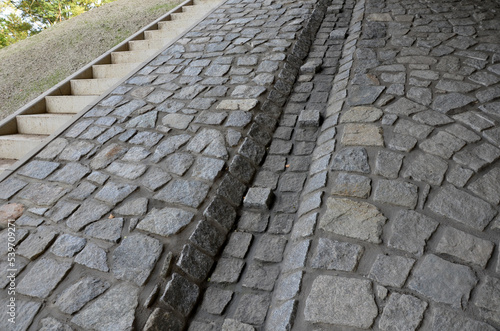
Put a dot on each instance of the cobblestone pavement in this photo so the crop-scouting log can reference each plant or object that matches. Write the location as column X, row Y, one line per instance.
column 312, row 165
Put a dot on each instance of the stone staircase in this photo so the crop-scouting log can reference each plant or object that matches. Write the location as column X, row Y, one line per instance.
column 31, row 129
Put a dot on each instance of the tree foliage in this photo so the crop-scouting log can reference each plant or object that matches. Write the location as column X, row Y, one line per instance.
column 20, row 19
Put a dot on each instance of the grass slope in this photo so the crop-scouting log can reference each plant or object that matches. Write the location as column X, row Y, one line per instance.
column 32, row 66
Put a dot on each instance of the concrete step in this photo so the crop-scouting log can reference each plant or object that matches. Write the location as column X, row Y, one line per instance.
column 67, row 104
column 170, row 32
column 132, row 56
column 15, row 146
column 41, row 123
column 112, row 70
column 92, row 86
column 136, row 45
column 5, row 164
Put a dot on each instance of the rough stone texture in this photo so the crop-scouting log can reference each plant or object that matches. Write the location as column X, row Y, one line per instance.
column 163, row 320
column 487, row 299
column 234, row 325
column 77, row 295
column 258, row 198
column 181, row 294
column 194, row 262
column 252, row 308
column 395, row 192
column 190, row 193
column 351, row 185
column 67, row 245
column 391, row 270
column 260, row 276
column 427, row 168
column 238, row 244
column 402, row 312
column 51, row 324
column 43, row 277
column 351, row 159
column 353, row 219
column 166, row 221
column 486, row 187
column 335, row 255
column 465, row 246
column 93, row 257
column 410, row 231
column 443, row 281
column 344, row 301
column 362, row 135
column 448, row 320
column 37, row 242
column 216, row 300
column 462, row 207
column 228, row 270
column 135, row 258
column 115, row 309
column 28, row 308
column 270, row 248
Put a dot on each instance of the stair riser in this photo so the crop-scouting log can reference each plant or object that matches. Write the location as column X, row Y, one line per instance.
column 14, row 149
column 112, row 70
column 91, row 86
column 67, row 104
column 157, row 44
column 131, row 57
column 32, row 124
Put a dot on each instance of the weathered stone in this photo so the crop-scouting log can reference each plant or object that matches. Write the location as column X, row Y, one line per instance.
column 396, row 192
column 10, row 212
column 487, row 299
column 456, row 86
column 343, row 301
column 207, row 168
column 238, row 244
column 261, row 276
column 163, row 320
column 238, row 104
column 361, row 114
column 77, row 295
column 443, row 281
column 228, row 271
column 107, row 229
column 136, row 207
column 113, row 193
column 427, row 168
column 391, row 270
column 126, row 170
column 353, row 219
column 351, row 185
column 155, row 178
column 186, row 192
column 259, row 198
column 76, row 150
column 388, row 164
column 36, row 243
column 410, row 231
column 22, row 321
column 38, row 169
column 90, row 211
column 93, row 257
column 351, row 159
column 402, row 312
column 135, row 257
column 363, row 134
column 234, row 325
column 216, row 300
column 67, row 245
column 43, row 277
column 487, row 186
column 462, row 207
column 364, row 94
column 282, row 317
column 447, row 103
column 53, row 149
column 11, row 186
column 465, row 246
column 270, row 248
column 447, row 320
column 419, row 131
column 404, row 107
column 51, row 324
column 115, row 309
column 335, row 255
column 42, row 194
column 194, row 262
column 402, row 143
column 252, row 308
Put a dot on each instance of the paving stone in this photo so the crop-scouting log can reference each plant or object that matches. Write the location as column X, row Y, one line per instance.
column 252, row 308
column 194, row 262
column 282, row 317
column 53, row 149
column 456, row 86
column 93, row 257
column 126, row 170
column 486, row 187
column 136, row 207
column 465, row 247
column 252, row 151
column 397, row 193
column 402, row 143
column 76, row 150
column 448, row 320
column 67, row 245
column 11, row 269
column 259, row 198
column 98, row 177
column 208, row 237
column 309, row 118
column 335, row 255
column 29, row 310
column 270, row 248
column 361, row 114
column 443, row 281
column 292, row 182
column 459, row 176
column 163, row 320
column 107, row 229
column 77, row 295
column 363, row 134
column 475, row 120
column 461, row 132
column 410, row 231
column 260, row 276
column 147, row 139
column 228, row 271
column 148, row 120
column 351, row 159
column 487, row 299
column 447, row 103
column 351, row 185
column 402, row 312
column 107, row 155
column 51, row 324
column 353, row 219
column 462, row 207
column 281, row 224
column 388, row 164
column 234, row 325
column 391, row 270
column 38, row 169
column 222, row 212
column 419, row 131
column 71, row 173
column 343, row 301
column 155, row 178
column 238, row 244
column 432, row 118
column 241, row 168
column 11, row 186
column 42, row 194
column 442, row 144
column 115, row 309
column 404, row 107
column 216, row 300
column 305, row 226
column 364, row 95
column 427, row 168
column 43, row 278
column 135, row 257
column 190, row 193
column 113, row 193
column 37, row 242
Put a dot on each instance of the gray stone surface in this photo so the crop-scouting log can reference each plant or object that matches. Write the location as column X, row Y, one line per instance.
column 364, row 95
column 402, row 312
column 359, row 220
column 77, row 295
column 443, row 281
column 410, row 231
column 37, row 242
column 194, row 262
column 260, row 276
column 396, row 192
column 388, row 164
column 427, row 168
column 270, row 248
column 94, row 257
column 486, row 187
column 107, row 229
column 462, row 207
column 351, row 159
column 352, row 185
column 42, row 194
column 228, row 270
column 391, row 270
column 51, row 324
column 190, row 193
column 181, row 294
column 22, row 321
column 216, row 300
column 238, row 244
column 234, row 325
column 448, row 320
column 252, row 308
column 67, row 245
column 487, row 299
column 166, row 222
column 343, row 301
column 43, row 277
column 115, row 309
column 258, row 198
column 335, row 255
column 89, row 211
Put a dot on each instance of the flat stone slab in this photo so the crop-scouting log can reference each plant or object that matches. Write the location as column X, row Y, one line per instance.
column 443, row 281
column 77, row 295
column 462, row 207
column 343, row 301
column 43, row 277
column 114, row 310
column 487, row 299
column 353, row 219
column 402, row 312
column 362, row 135
column 336, row 255
column 166, row 222
column 189, row 193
